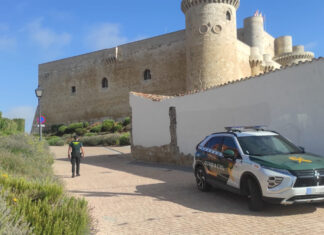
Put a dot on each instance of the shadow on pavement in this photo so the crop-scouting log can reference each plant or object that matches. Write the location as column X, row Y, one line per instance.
column 179, row 187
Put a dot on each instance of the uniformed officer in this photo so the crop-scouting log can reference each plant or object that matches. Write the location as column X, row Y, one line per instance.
column 76, row 148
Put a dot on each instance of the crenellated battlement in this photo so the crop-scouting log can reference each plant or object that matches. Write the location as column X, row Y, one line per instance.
column 186, row 4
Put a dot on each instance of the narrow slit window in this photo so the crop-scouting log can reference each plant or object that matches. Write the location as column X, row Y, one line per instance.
column 73, row 89
column 147, row 74
column 104, row 83
column 228, row 16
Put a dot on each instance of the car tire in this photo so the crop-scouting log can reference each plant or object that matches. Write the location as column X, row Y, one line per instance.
column 202, row 184
column 255, row 201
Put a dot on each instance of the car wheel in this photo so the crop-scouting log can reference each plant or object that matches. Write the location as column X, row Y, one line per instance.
column 201, row 180
column 255, row 201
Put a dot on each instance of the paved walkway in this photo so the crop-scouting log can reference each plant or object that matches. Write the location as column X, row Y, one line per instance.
column 127, row 197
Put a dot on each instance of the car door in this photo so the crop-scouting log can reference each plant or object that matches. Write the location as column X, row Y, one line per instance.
column 228, row 163
column 212, row 152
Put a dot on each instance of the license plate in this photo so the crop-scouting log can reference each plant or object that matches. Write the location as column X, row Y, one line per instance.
column 314, row 191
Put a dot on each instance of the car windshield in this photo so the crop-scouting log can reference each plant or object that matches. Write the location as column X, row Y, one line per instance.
column 267, row 145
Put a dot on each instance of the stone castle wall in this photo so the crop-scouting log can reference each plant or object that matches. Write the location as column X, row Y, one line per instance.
column 210, row 51
column 124, row 68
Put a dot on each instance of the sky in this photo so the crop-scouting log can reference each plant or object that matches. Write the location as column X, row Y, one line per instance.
column 34, row 32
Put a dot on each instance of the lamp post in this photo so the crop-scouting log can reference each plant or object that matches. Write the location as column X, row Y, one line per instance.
column 39, row 93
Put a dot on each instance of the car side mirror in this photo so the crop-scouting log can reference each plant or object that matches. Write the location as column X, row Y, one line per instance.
column 229, row 153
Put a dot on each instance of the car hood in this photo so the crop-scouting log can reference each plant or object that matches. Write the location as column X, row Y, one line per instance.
column 290, row 161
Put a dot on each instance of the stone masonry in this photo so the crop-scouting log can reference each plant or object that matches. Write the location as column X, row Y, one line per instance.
column 211, row 51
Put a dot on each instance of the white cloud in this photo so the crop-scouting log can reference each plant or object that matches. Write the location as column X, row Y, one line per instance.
column 46, row 37
column 26, row 112
column 105, row 35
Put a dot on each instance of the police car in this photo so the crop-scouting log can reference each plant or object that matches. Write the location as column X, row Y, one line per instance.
column 263, row 165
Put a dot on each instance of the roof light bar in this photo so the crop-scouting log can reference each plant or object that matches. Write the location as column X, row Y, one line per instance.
column 241, row 128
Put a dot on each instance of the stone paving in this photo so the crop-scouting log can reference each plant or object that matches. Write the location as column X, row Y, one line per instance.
column 129, row 197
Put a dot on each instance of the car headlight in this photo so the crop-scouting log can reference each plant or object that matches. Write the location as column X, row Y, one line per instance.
column 274, row 181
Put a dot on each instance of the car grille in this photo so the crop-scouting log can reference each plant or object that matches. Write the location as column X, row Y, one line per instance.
column 308, row 178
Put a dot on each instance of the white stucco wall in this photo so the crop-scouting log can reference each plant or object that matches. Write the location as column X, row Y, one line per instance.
column 290, row 101
column 150, row 122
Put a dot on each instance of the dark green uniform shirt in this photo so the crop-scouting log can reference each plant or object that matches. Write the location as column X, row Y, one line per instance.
column 76, row 148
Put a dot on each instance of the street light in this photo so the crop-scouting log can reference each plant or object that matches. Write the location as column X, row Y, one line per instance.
column 39, row 93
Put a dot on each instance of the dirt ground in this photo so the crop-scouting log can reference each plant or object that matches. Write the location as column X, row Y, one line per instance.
column 129, row 197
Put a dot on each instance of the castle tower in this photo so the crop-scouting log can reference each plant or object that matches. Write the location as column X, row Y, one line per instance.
column 211, row 38
column 254, row 32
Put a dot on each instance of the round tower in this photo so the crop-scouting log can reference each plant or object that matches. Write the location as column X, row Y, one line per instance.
column 211, row 37
column 254, row 32
column 283, row 45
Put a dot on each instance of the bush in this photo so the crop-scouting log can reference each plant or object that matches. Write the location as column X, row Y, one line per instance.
column 91, row 140
column 37, row 199
column 96, row 128
column 73, row 126
column 89, row 134
column 80, row 131
column 118, row 127
column 45, row 207
column 55, row 128
column 9, row 224
column 62, row 129
column 7, row 126
column 110, row 139
column 108, row 125
column 101, row 140
column 126, row 121
column 20, row 124
column 85, row 124
column 55, row 141
column 124, row 139
column 25, row 155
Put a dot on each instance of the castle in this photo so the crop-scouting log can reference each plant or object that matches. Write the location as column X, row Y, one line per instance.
column 209, row 52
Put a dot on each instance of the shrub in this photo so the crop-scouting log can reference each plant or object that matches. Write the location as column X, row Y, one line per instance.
column 7, row 126
column 45, row 207
column 62, row 129
column 108, row 125
column 118, row 127
column 38, row 198
column 55, row 128
column 73, row 126
column 80, row 131
column 9, row 224
column 20, row 124
column 106, row 140
column 85, row 124
column 124, row 139
column 25, row 155
column 96, row 128
column 110, row 139
column 55, row 141
column 89, row 134
column 91, row 140
column 126, row 121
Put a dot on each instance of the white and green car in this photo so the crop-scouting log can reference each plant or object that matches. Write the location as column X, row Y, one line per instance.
column 260, row 164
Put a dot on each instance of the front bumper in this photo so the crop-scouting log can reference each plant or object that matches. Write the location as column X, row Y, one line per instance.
column 296, row 195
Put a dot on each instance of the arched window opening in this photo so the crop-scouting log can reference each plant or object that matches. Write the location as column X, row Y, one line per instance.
column 147, row 74
column 104, row 83
column 228, row 15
